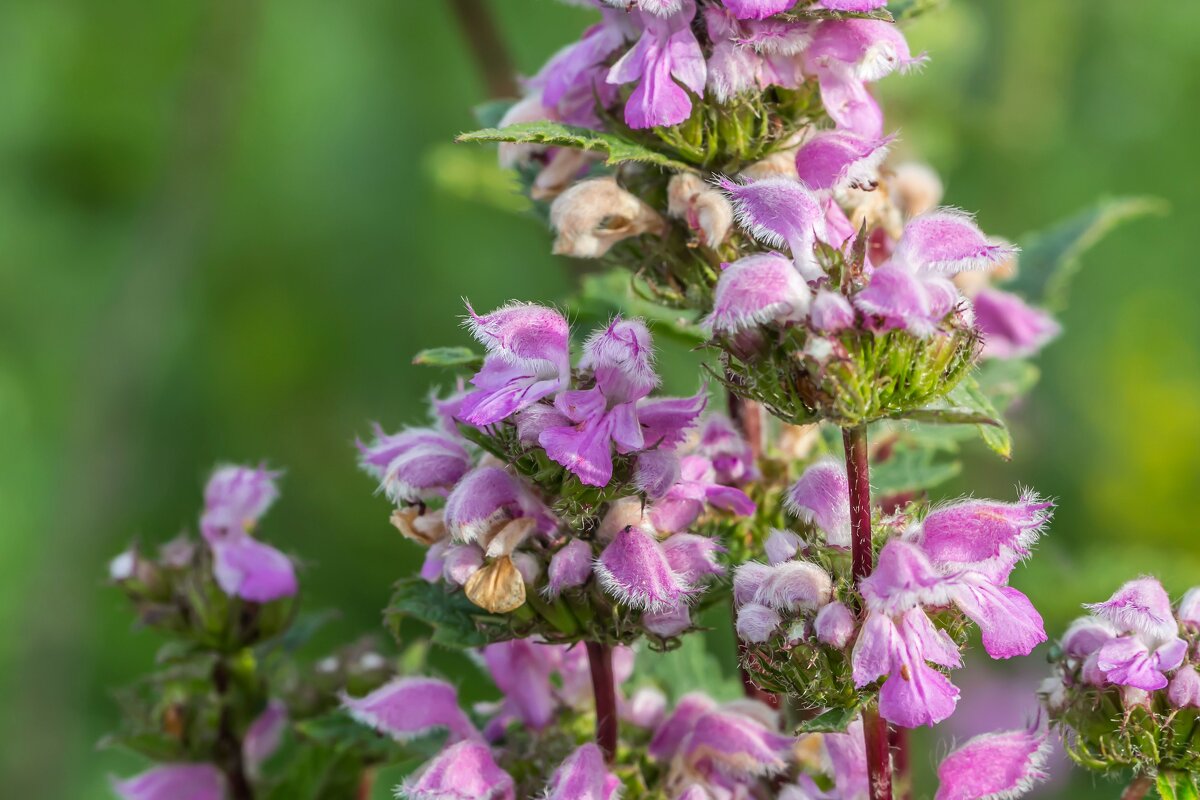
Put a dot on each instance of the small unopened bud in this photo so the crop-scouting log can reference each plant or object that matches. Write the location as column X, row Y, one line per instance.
column 756, row 623
column 497, row 588
column 569, row 567
column 594, row 215
column 780, row 164
column 706, row 210
column 421, row 528
column 461, row 562
column 781, row 546
column 1189, row 609
column 528, row 565
column 915, row 189
column 122, row 567
column 564, row 166
column 835, row 625
column 1184, row 691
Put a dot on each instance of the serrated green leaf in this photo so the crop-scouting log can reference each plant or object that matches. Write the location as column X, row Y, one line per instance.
column 1173, row 785
column 451, row 614
column 835, row 720
column 448, row 357
column 601, row 296
column 1051, row 258
column 616, row 148
column 967, row 404
column 911, row 469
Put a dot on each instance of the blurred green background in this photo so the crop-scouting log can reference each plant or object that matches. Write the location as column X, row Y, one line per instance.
column 225, row 227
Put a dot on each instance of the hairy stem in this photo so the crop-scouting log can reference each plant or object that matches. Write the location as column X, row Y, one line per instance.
column 1138, row 788
column 875, row 729
column 899, row 740
column 366, row 785
column 228, row 747
column 605, row 692
column 487, row 46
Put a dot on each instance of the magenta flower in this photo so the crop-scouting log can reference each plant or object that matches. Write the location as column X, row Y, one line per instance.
column 1140, row 606
column 415, row 464
column 995, row 765
column 667, row 51
column 655, row 472
column 264, row 735
column 1008, row 622
column 634, row 569
column 752, row 55
column 781, row 546
column 847, row 753
column 582, row 776
column 831, row 312
column 757, row 9
column 914, row 694
column 984, row 536
column 821, row 496
column 463, row 770
column 735, row 744
column 671, row 622
column 528, row 360
column 697, row 487
column 174, row 782
column 1086, row 635
column 795, row 586
column 730, row 454
column 779, row 212
column 839, row 159
column 1141, row 661
column 521, row 669
column 244, row 567
column 571, row 566
column 756, row 290
column 406, row 708
column 574, row 77
column 835, row 625
column 487, row 496
column 1012, row 328
column 670, row 735
column 747, row 580
column 693, row 557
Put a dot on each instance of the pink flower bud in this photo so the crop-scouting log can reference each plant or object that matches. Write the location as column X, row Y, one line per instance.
column 1184, row 691
column 415, row 464
column 1189, row 609
column 1011, row 328
column 757, row 9
column 835, row 625
column 672, row 733
column 465, row 769
column 634, row 569
column 571, row 566
column 747, row 580
column 1140, row 606
column 781, row 546
column 831, row 312
column 992, row 765
column 646, row 708
column 757, row 290
column 839, row 159
column 1086, row 635
column 795, row 586
column 174, row 782
column 756, row 623
column 737, row 745
column 948, row 241
column 671, row 622
column 460, row 562
column 779, row 212
column 822, row 496
column 264, row 735
column 693, row 557
column 582, row 776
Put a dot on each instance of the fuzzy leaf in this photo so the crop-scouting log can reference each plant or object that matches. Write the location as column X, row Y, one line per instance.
column 1051, row 258
column 617, row 149
column 451, row 615
column 809, row 14
column 1177, row 786
column 448, row 357
column 835, row 720
column 911, row 469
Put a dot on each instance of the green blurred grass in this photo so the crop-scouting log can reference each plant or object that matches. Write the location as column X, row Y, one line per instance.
column 221, row 237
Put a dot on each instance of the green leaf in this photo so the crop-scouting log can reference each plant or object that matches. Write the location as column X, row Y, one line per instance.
column 808, row 14
column 1174, row 785
column 601, row 296
column 690, row 668
column 911, row 469
column 303, row 629
column 967, row 404
column 1051, row 258
column 451, row 615
column 1004, row 380
column 448, row 357
column 905, row 10
column 615, row 147
column 835, row 720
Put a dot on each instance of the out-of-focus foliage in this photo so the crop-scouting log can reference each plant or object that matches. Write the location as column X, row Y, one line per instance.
column 226, row 228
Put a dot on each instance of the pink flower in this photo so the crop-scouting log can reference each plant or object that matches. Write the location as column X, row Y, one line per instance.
column 757, row 9
column 730, row 454
column 995, row 765
column 634, row 569
column 821, row 496
column 463, row 770
column 984, row 536
column 571, row 566
column 839, row 159
column 264, row 735
column 686, row 500
column 415, row 464
column 667, row 51
column 913, row 694
column 1140, row 662
column 521, row 669
column 582, row 776
column 835, row 625
column 1140, row 606
column 574, row 77
column 174, row 782
column 1184, row 691
column 756, row 622
column 778, row 212
column 757, row 290
column 1012, row 328
column 406, row 708
column 735, row 744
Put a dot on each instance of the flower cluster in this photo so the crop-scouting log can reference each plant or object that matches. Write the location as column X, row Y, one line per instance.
column 1126, row 690
column 543, row 474
column 802, row 611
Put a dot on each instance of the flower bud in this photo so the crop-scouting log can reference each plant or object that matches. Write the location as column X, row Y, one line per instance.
column 737, row 744
column 499, row 587
column 756, row 623
column 460, row 562
column 1184, row 691
column 582, row 776
column 693, row 557
column 646, row 708
column 757, row 290
column 747, row 579
column 794, row 586
column 704, row 209
column 595, row 214
column 170, row 781
column 406, row 708
column 571, row 566
column 1086, row 635
column 668, row 623
column 835, row 625
column 822, row 496
column 465, row 769
column 781, row 546
column 634, row 569
column 1189, row 609
column 528, row 565
column 1004, row 764
column 831, row 312
column 1140, row 606
column 264, row 735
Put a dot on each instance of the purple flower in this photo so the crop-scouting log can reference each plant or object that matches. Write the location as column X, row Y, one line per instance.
column 528, row 360
column 174, row 782
column 831, row 312
column 634, row 569
column 822, row 497
column 839, row 159
column 900, row 299
column 947, row 241
column 757, row 290
column 1086, row 635
column 756, row 622
column 735, row 744
column 693, row 557
column 671, row 622
column 670, row 735
column 1189, row 608
column 686, row 500
column 244, row 567
column 655, row 472
column 1012, row 328
column 994, row 765
column 781, row 546
column 521, row 669
column 857, row 6
column 582, row 776
column 835, row 625
column 666, row 421
column 622, row 360
column 914, row 694
column 864, row 49
column 984, row 536
column 486, row 497
column 847, row 754
column 730, row 454
column 574, row 77
column 778, row 212
column 571, row 566
column 461, row 771
column 264, row 735
column 747, row 580
column 415, row 464
column 794, row 586
column 1184, row 691
column 406, row 708
column 757, row 9
column 1140, row 606
column 667, row 51
column 1009, row 623
column 1140, row 661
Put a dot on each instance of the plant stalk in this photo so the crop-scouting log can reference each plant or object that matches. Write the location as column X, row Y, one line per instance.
column 901, row 764
column 1138, row 788
column 605, row 691
column 228, row 747
column 487, row 46
column 875, row 729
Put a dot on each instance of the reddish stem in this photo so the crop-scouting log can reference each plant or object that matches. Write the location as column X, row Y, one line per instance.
column 487, row 46
column 899, row 740
column 875, row 729
column 1138, row 788
column 605, row 692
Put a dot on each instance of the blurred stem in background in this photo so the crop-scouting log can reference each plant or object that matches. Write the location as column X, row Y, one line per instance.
column 117, row 377
column 487, row 45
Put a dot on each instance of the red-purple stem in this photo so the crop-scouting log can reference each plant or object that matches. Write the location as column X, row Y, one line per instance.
column 1138, row 788
column 875, row 729
column 605, row 691
column 899, row 740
